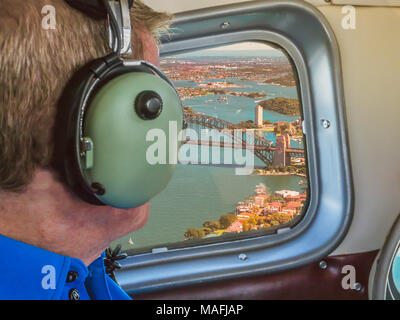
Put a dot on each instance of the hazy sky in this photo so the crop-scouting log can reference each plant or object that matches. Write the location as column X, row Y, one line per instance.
column 243, row 49
column 243, row 46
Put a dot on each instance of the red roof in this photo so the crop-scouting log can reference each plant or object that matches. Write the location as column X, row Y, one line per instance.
column 276, row 204
column 293, row 204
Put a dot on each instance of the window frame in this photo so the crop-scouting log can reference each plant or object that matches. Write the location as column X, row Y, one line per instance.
column 305, row 35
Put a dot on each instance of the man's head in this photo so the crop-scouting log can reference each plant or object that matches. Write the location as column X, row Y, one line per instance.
column 35, row 66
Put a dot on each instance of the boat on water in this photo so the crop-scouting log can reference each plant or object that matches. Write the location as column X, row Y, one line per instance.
column 223, row 99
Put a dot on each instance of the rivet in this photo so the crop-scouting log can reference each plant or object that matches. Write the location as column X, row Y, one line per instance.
column 225, row 25
column 325, row 123
column 323, row 265
column 242, row 257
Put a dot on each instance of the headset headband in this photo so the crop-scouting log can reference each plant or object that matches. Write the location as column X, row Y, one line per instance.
column 118, row 13
column 92, row 8
column 119, row 20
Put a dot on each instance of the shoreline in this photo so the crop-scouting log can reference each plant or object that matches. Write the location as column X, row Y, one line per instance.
column 270, row 173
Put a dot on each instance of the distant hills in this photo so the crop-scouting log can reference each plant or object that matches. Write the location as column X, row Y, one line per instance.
column 233, row 54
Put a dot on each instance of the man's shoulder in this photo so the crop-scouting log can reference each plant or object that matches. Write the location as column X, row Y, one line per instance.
column 29, row 272
column 32, row 273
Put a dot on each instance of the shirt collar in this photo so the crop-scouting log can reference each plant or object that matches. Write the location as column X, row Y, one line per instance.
column 29, row 272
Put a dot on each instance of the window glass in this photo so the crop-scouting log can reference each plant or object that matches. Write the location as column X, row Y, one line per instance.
column 242, row 168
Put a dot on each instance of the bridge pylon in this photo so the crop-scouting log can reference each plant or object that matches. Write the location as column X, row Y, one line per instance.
column 281, row 156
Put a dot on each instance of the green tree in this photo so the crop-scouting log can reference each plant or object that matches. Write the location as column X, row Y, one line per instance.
column 213, row 225
column 194, row 233
column 302, row 170
column 261, row 220
column 252, row 221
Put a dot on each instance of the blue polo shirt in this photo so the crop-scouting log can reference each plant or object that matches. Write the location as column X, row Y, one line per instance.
column 31, row 273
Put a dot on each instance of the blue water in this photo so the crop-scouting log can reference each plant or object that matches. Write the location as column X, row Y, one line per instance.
column 200, row 193
column 238, row 109
column 197, row 194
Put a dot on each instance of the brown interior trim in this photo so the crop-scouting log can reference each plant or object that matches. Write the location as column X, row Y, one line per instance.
column 309, row 282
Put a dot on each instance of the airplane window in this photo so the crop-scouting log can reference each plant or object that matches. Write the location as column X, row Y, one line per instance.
column 242, row 167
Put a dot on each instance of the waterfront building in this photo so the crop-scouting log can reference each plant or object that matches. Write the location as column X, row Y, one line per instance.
column 273, row 207
column 244, row 216
column 282, row 123
column 289, row 212
column 260, row 200
column 287, row 193
column 294, row 205
column 293, row 198
column 249, row 204
column 242, row 208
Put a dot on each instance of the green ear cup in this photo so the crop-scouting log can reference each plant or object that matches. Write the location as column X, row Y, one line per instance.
column 119, row 151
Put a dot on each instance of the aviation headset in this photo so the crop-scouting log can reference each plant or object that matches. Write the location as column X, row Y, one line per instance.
column 105, row 114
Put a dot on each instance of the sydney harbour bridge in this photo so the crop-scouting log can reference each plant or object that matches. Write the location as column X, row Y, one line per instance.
column 272, row 155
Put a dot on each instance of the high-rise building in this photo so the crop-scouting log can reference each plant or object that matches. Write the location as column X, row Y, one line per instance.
column 259, row 116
